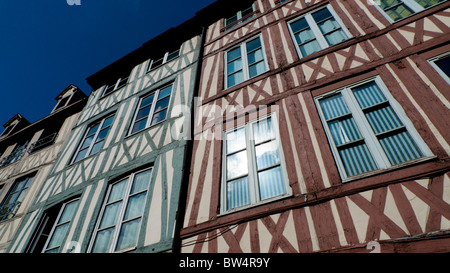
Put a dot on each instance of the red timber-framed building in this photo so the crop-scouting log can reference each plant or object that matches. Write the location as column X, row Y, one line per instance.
column 334, row 117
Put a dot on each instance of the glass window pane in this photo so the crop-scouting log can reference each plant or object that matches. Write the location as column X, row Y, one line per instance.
column 158, row 117
column 255, row 56
column 368, row 94
column 140, row 125
column 234, row 66
column 444, row 65
column 235, row 140
column 257, row 69
column 399, row 12
column 165, row 92
column 110, row 215
column 235, row 78
column 103, row 241
column 309, row 48
column 162, row 104
column 97, row 147
column 253, row 45
column 108, row 122
column 357, row 159
column 383, row 120
column 117, row 191
column 147, row 100
column 135, row 206
column 81, row 155
column 143, row 112
column 400, row 148
column 141, row 181
column 93, row 130
column 237, row 165
column 128, row 234
column 328, row 26
column 299, row 25
column 335, row 37
column 271, row 183
column 304, row 36
column 102, row 134
column 333, row 106
column 428, row 3
column 263, row 130
column 344, row 131
column 267, row 155
column 231, row 20
column 233, row 54
column 69, row 212
column 87, row 142
column 321, row 15
column 58, row 236
column 238, row 193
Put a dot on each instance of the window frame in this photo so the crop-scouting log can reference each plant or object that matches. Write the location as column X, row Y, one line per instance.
column 254, row 195
column 239, row 18
column 319, row 36
column 120, row 83
column 164, row 60
column 121, row 214
column 432, row 62
column 411, row 4
column 94, row 140
column 152, row 110
column 368, row 135
column 28, row 179
column 244, row 58
column 56, row 224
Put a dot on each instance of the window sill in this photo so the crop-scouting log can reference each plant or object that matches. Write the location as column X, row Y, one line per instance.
column 393, row 168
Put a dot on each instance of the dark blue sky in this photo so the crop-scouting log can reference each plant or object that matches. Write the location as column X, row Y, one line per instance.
column 46, row 45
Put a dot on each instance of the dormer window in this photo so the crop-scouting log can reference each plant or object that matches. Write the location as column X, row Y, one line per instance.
column 168, row 56
column 7, row 130
column 121, row 82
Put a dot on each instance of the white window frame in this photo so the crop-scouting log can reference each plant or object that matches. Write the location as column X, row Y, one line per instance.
column 252, row 169
column 94, row 140
column 152, row 110
column 413, row 5
column 164, row 59
column 55, row 225
column 120, row 221
column 117, row 86
column 244, row 57
column 316, row 30
column 437, row 68
column 380, row 158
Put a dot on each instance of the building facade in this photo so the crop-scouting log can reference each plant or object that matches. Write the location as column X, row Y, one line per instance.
column 116, row 185
column 322, row 127
column 27, row 153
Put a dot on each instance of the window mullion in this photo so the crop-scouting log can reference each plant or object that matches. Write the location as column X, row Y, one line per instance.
column 121, row 214
column 94, row 140
column 244, row 57
column 316, row 31
column 366, row 130
column 152, row 110
column 252, row 172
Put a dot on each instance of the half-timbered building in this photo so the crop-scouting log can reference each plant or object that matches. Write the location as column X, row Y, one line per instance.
column 116, row 185
column 322, row 126
column 27, row 153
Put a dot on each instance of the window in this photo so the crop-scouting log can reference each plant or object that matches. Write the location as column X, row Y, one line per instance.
column 94, row 138
column 7, row 130
column 367, row 129
column 240, row 17
column 60, row 227
column 14, row 198
column 317, row 30
column 152, row 109
column 253, row 169
column 399, row 9
column 121, row 82
column 15, row 155
column 239, row 68
column 168, row 56
column 442, row 65
column 120, row 218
